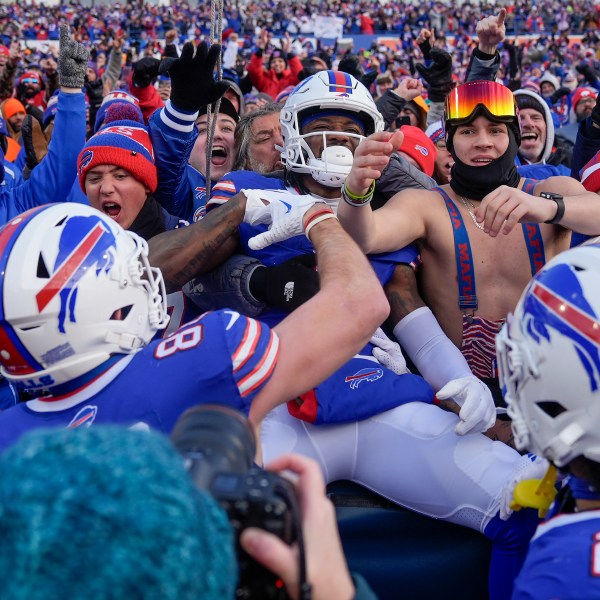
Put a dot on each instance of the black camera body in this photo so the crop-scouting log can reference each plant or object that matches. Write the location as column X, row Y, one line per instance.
column 218, row 446
column 256, row 499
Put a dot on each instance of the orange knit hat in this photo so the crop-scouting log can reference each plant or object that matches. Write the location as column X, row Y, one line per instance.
column 11, row 107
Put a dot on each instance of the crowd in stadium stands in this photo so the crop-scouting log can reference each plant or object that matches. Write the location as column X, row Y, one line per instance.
column 166, row 198
column 144, row 23
column 554, row 35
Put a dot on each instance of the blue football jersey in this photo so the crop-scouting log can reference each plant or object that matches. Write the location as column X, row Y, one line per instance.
column 362, row 387
column 222, row 358
column 234, row 182
column 563, row 561
column 180, row 311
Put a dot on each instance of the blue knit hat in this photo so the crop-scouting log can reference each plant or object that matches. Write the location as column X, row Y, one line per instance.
column 116, row 96
column 108, row 512
column 123, row 143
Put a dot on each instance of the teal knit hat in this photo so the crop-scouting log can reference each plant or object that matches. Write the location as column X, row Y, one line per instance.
column 105, row 513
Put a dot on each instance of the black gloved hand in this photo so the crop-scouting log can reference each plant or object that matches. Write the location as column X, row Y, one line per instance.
column 438, row 76
column 425, row 48
column 559, row 93
column 27, row 134
column 144, row 71
column 586, row 70
column 192, row 82
column 288, row 285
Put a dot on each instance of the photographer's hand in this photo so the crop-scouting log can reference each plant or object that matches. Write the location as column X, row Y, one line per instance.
column 325, row 562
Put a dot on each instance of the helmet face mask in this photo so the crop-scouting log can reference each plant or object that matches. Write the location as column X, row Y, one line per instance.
column 549, row 359
column 77, row 291
column 325, row 91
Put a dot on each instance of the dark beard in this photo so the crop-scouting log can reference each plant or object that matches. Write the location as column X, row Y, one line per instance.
column 29, row 93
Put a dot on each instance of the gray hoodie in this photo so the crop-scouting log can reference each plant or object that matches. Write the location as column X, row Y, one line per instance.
column 549, row 122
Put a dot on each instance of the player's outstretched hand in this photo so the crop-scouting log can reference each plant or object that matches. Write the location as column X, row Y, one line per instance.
column 285, row 212
column 477, row 412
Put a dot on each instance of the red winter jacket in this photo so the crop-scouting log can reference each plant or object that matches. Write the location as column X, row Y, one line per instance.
column 265, row 80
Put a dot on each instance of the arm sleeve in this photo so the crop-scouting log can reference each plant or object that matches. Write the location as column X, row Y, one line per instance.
column 437, row 358
column 481, row 69
column 254, row 350
column 52, row 179
column 389, row 105
column 173, row 133
column 113, row 70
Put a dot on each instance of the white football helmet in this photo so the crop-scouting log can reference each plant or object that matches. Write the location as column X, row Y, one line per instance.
column 549, row 359
column 325, row 90
column 76, row 290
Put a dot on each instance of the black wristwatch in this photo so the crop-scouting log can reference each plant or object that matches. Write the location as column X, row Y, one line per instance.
column 560, row 207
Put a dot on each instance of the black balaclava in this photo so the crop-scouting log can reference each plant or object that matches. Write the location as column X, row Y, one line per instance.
column 477, row 182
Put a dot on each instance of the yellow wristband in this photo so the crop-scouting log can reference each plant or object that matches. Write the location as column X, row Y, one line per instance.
column 359, row 198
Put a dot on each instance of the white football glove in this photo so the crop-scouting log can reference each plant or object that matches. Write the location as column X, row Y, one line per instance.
column 257, row 211
column 388, row 353
column 286, row 215
column 477, row 412
column 535, row 470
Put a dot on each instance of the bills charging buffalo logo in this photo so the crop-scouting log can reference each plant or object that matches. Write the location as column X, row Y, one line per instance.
column 86, row 245
column 363, row 375
column 556, row 300
column 86, row 159
column 84, row 418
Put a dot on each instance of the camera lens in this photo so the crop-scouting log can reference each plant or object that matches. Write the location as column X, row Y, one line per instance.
column 214, row 439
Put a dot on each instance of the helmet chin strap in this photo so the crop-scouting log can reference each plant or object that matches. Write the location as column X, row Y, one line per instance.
column 333, row 167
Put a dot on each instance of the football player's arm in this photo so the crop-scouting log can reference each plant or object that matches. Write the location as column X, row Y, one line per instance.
column 182, row 254
column 438, row 360
column 327, row 330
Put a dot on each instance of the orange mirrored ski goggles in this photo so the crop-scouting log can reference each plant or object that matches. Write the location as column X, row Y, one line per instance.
column 497, row 99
